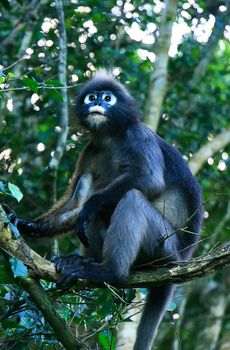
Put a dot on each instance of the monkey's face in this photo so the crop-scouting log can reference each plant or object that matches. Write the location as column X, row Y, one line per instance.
column 105, row 106
column 97, row 105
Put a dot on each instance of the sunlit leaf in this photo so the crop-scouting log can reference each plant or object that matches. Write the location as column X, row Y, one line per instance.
column 15, row 191
column 2, row 187
column 103, row 339
column 18, row 268
column 171, row 306
column 10, row 75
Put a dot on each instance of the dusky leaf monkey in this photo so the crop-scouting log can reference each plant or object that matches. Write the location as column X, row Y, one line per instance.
column 143, row 202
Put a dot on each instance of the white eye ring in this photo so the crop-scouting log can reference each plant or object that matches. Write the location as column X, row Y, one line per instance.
column 109, row 98
column 90, row 98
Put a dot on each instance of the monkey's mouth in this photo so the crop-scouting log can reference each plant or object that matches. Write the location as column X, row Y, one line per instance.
column 96, row 119
column 96, row 116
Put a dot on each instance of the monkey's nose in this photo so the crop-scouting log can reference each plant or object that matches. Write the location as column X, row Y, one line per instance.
column 97, row 103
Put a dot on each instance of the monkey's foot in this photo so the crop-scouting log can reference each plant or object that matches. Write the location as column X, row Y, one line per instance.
column 81, row 268
column 63, row 262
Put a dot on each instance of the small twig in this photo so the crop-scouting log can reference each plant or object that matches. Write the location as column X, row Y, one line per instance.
column 91, row 335
column 41, row 86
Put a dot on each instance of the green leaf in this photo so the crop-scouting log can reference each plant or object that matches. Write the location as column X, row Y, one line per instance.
column 55, row 95
column 52, row 82
column 5, row 277
column 15, row 191
column 2, row 79
column 130, row 295
column 6, row 4
column 103, row 339
column 171, row 306
column 31, row 84
column 2, row 187
column 11, row 324
column 10, row 75
column 18, row 268
column 106, row 340
column 4, row 219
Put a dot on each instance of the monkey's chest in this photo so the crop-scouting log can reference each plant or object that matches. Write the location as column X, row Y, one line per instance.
column 104, row 171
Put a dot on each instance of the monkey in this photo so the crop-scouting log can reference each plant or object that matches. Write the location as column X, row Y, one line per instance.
column 142, row 204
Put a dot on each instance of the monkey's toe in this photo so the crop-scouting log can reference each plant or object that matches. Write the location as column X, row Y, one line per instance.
column 68, row 278
column 64, row 262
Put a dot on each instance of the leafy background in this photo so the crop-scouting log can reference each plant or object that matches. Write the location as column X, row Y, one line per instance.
column 123, row 36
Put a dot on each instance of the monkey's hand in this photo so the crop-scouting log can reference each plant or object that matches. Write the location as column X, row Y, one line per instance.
column 25, row 227
column 74, row 267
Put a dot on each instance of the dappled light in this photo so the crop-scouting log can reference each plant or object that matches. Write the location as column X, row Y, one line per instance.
column 173, row 57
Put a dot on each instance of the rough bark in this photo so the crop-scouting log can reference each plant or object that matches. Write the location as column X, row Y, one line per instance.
column 179, row 272
column 201, row 156
column 158, row 78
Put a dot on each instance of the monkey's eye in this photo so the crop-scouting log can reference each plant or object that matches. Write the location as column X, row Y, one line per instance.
column 109, row 98
column 90, row 98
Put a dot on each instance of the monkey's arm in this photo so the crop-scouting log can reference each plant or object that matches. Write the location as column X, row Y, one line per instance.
column 112, row 194
column 61, row 218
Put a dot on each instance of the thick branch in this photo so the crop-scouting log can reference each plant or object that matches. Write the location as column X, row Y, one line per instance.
column 39, row 266
column 158, row 78
column 176, row 273
column 201, row 156
column 43, row 302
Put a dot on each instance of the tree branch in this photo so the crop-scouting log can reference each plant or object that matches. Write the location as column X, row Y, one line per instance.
column 207, row 150
column 158, row 78
column 222, row 20
column 179, row 272
column 22, row 22
column 43, row 302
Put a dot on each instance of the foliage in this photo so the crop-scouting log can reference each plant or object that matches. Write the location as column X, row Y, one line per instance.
column 100, row 33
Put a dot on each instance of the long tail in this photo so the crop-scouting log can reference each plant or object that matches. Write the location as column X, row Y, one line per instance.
column 152, row 315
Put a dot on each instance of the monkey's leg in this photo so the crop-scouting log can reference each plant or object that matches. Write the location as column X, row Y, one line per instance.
column 135, row 224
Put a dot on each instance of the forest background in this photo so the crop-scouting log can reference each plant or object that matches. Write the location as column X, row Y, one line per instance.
column 174, row 57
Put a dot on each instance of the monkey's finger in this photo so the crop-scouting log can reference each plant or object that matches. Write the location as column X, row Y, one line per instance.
column 67, row 280
column 60, row 263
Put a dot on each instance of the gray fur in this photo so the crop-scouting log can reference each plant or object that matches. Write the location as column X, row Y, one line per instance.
column 138, row 195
